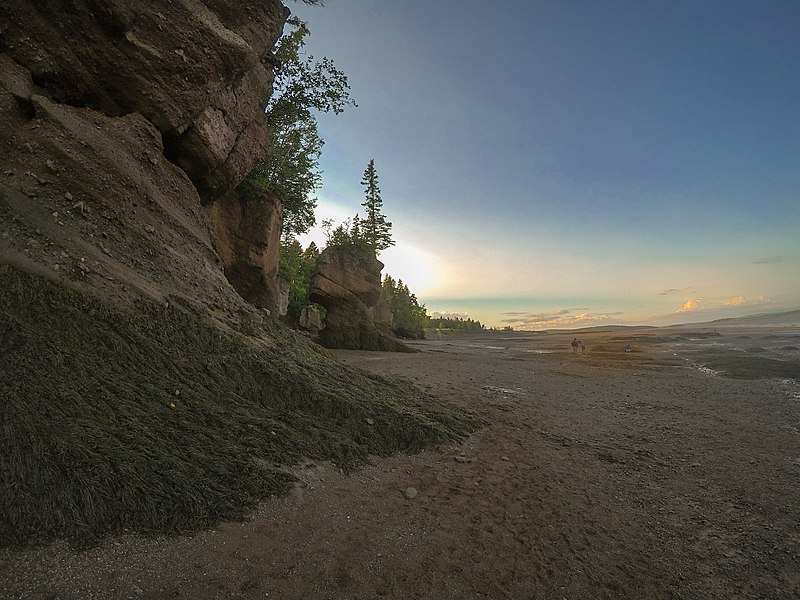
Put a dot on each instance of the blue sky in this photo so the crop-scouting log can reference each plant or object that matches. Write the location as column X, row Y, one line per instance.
column 550, row 164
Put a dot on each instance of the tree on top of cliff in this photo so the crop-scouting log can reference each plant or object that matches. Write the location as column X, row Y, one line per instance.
column 303, row 84
column 374, row 227
column 302, row 87
column 348, row 236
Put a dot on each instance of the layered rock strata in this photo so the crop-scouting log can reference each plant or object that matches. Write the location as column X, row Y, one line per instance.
column 125, row 128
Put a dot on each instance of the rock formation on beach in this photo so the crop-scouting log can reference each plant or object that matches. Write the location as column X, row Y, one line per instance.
column 348, row 284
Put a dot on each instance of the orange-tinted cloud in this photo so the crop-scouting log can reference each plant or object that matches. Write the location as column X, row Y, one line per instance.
column 690, row 306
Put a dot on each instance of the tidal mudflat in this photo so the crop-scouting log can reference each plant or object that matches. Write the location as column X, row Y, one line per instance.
column 667, row 471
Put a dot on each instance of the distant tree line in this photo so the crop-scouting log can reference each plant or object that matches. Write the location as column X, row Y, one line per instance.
column 455, row 324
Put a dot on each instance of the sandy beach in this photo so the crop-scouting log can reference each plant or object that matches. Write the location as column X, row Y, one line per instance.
column 609, row 474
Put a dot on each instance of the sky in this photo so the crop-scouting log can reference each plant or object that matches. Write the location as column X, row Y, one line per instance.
column 572, row 163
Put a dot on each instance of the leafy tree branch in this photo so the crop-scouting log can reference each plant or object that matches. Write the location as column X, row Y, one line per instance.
column 302, row 88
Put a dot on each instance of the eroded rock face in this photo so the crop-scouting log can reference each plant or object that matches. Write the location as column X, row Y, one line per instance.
column 348, row 286
column 382, row 317
column 82, row 203
column 341, row 277
column 201, row 72
column 247, row 232
column 227, row 139
column 94, row 94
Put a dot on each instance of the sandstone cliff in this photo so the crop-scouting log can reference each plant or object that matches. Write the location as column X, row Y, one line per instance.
column 152, row 113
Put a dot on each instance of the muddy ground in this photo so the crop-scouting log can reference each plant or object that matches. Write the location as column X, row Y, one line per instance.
column 609, row 474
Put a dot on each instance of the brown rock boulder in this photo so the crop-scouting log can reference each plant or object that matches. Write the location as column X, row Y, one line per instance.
column 348, row 284
column 311, row 319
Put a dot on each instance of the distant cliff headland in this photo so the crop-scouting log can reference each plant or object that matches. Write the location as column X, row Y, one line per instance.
column 143, row 384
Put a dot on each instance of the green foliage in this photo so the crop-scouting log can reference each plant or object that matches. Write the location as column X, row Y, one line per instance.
column 296, row 266
column 348, row 235
column 456, row 324
column 375, row 229
column 367, row 236
column 409, row 315
column 302, row 84
column 302, row 87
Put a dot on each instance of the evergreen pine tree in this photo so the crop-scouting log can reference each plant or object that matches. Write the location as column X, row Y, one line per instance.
column 374, row 227
column 355, row 228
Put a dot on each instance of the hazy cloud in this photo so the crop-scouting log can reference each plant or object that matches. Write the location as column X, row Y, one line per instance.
column 767, row 260
column 669, row 291
column 740, row 300
column 528, row 316
column 559, row 319
column 735, row 301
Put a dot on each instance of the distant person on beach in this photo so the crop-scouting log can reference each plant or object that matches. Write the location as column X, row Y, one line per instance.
column 583, row 348
column 574, row 345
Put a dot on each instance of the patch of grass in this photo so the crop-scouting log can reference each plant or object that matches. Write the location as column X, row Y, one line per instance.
column 152, row 421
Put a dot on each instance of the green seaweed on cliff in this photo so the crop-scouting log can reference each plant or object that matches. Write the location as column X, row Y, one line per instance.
column 152, row 421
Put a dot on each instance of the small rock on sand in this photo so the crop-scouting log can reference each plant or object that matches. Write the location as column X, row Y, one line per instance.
column 411, row 492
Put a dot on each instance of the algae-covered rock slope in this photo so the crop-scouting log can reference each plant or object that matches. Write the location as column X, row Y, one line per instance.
column 150, row 420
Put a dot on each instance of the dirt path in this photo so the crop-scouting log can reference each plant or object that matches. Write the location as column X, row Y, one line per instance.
column 592, row 479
